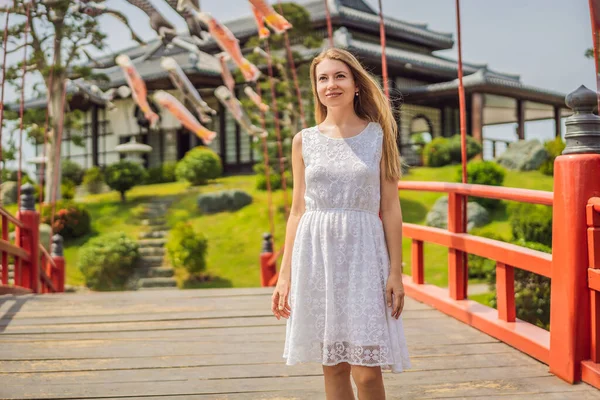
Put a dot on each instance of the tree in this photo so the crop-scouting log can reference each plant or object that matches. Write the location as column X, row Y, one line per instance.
column 124, row 175
column 54, row 37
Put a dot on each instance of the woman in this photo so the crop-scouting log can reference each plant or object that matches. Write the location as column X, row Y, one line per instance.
column 340, row 284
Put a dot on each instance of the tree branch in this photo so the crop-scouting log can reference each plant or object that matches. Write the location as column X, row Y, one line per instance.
column 74, row 49
column 37, row 46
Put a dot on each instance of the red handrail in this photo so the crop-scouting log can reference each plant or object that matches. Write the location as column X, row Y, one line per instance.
column 501, row 322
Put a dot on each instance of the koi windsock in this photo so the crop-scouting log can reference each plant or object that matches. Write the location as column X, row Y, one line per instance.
column 234, row 106
column 225, row 73
column 138, row 88
column 183, row 115
column 274, row 20
column 183, row 84
column 263, row 32
column 225, row 39
column 256, row 99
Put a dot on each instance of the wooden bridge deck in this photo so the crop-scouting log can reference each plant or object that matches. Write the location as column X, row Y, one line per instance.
column 225, row 344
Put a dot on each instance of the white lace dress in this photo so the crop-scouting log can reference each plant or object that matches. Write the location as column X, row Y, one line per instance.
column 340, row 262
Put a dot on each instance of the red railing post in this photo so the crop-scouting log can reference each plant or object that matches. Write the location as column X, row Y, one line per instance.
column 267, row 272
column 457, row 268
column 576, row 174
column 28, row 238
column 58, row 275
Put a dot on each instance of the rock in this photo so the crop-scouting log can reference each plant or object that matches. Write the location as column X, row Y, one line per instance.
column 523, row 155
column 8, row 191
column 438, row 216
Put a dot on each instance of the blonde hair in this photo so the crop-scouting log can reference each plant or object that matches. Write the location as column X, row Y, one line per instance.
column 370, row 104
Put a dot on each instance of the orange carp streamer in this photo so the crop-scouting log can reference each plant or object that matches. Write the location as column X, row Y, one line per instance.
column 278, row 23
column 185, row 87
column 184, row 116
column 227, row 42
column 256, row 99
column 225, row 73
column 139, row 92
column 234, row 106
column 263, row 32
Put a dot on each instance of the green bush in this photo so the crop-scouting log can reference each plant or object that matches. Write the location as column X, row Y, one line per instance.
column 71, row 220
column 532, row 291
column 199, row 165
column 72, row 171
column 275, row 179
column 67, row 189
column 484, row 173
column 187, row 248
column 226, row 200
column 554, row 148
column 480, row 267
column 93, row 180
column 437, row 152
column 443, row 151
column 108, row 261
column 473, row 148
column 531, row 222
column 164, row 173
column 124, row 175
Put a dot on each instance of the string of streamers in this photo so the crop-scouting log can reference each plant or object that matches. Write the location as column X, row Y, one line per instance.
column 292, row 65
column 267, row 169
column 4, row 44
column 463, row 132
column 384, row 71
column 22, row 106
column 329, row 27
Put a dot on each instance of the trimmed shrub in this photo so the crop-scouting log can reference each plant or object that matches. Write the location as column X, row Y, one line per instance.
column 187, row 248
column 124, row 175
column 484, row 173
column 108, row 261
column 199, row 165
column 437, row 152
column 473, row 148
column 226, row 200
column 72, row 171
column 71, row 220
column 532, row 291
column 164, row 173
column 480, row 267
column 93, row 180
column 443, row 151
column 67, row 189
column 531, row 222
column 554, row 148
column 275, row 179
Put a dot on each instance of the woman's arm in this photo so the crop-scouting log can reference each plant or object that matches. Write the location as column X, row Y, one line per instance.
column 280, row 305
column 391, row 216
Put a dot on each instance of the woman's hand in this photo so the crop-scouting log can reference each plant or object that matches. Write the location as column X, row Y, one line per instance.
column 280, row 305
column 395, row 290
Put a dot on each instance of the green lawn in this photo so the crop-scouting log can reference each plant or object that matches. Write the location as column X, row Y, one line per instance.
column 235, row 238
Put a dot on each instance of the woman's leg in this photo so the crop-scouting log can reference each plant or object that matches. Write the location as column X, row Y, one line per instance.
column 337, row 382
column 369, row 382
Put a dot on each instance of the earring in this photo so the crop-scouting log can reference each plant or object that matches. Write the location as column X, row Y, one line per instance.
column 356, row 93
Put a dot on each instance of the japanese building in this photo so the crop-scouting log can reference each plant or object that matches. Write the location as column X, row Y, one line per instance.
column 427, row 83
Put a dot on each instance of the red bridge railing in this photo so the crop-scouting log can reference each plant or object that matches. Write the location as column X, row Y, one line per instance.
column 572, row 346
column 34, row 269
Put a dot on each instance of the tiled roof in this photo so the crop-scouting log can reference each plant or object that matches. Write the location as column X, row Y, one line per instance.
column 483, row 78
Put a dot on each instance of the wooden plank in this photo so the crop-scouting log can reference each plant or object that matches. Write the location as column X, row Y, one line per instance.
column 262, row 378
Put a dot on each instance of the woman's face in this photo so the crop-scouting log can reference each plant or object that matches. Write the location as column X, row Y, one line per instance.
column 335, row 84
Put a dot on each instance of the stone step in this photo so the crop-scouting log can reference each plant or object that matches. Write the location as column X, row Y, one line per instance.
column 150, row 261
column 151, row 251
column 153, row 272
column 153, row 234
column 153, row 221
column 152, row 242
column 157, row 282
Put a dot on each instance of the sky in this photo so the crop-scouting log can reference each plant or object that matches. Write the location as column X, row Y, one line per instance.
column 541, row 40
